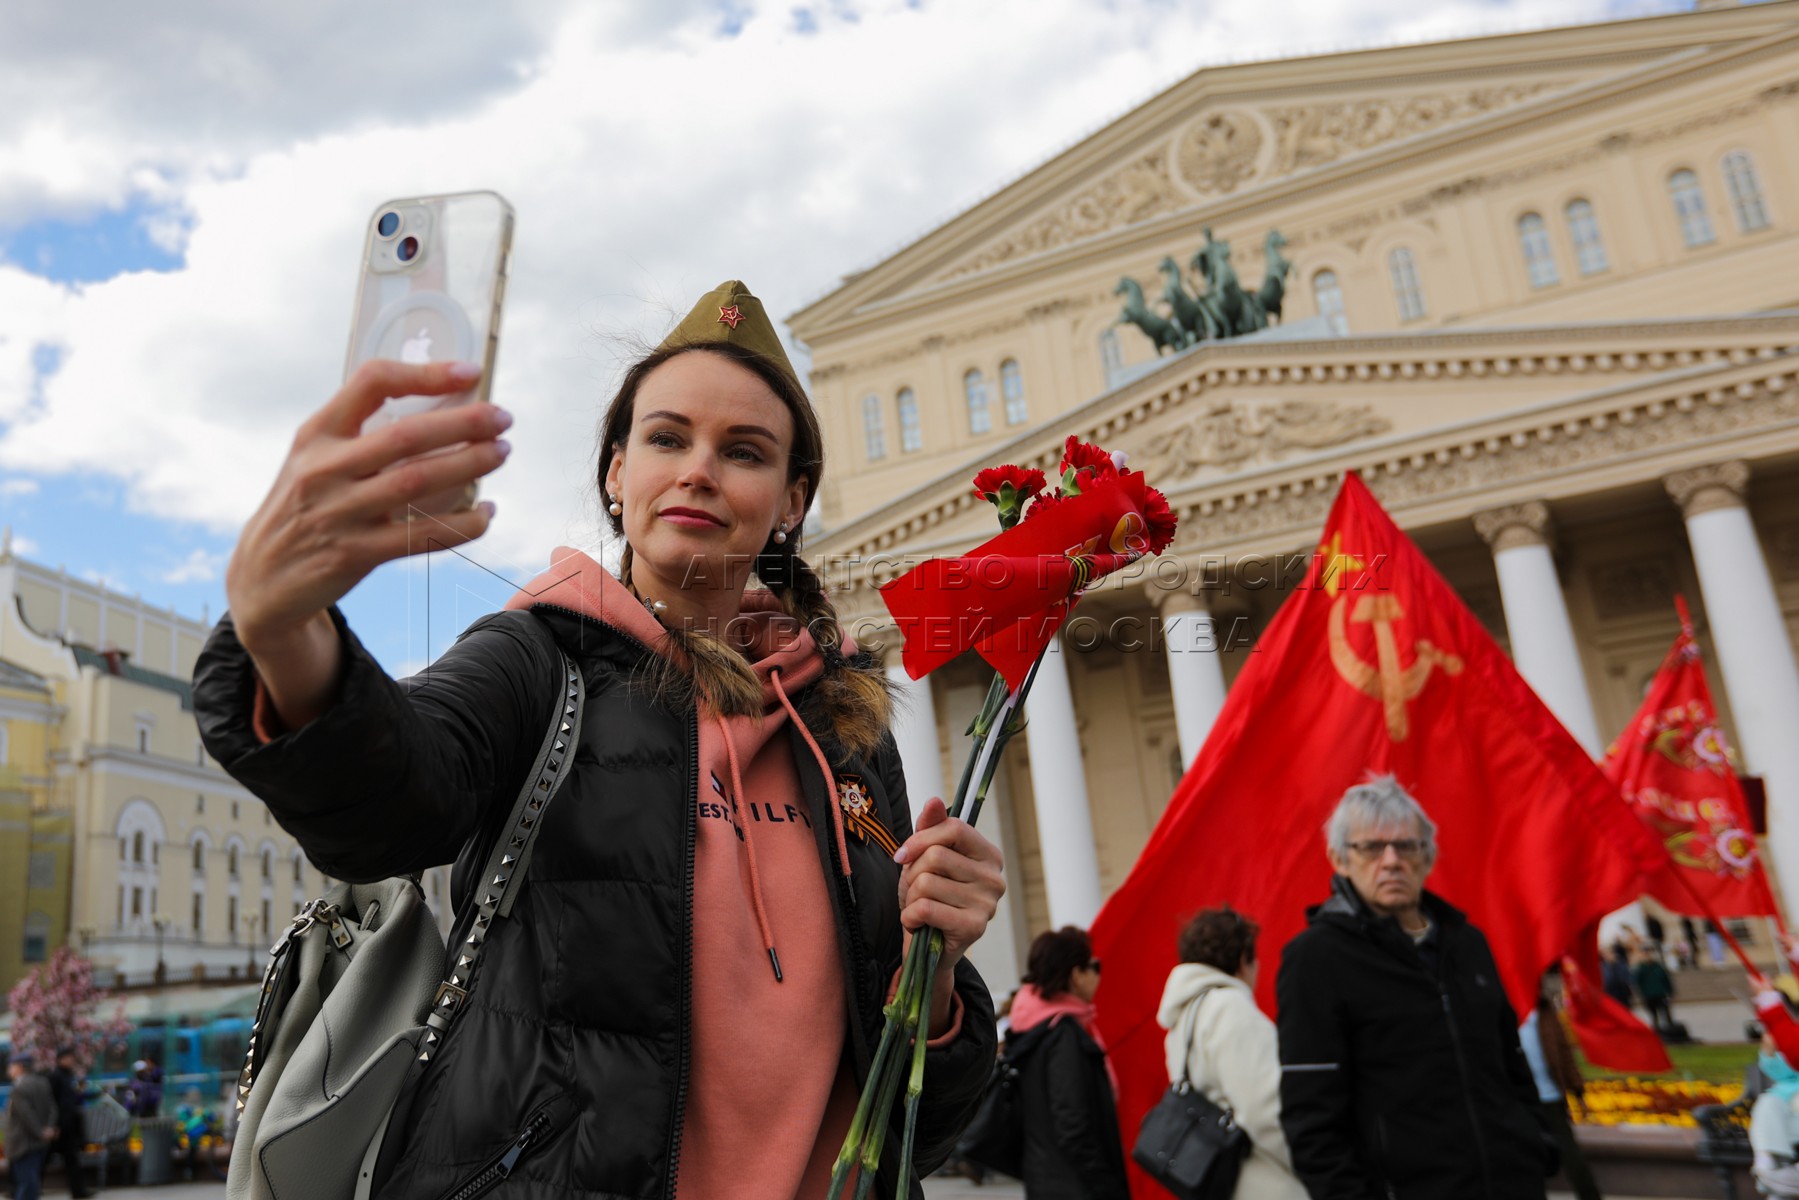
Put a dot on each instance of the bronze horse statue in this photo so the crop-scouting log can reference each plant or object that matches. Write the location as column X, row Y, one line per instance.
column 1240, row 311
column 1276, row 268
column 1164, row 333
column 1197, row 316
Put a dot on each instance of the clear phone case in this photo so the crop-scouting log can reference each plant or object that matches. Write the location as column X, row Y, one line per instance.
column 433, row 279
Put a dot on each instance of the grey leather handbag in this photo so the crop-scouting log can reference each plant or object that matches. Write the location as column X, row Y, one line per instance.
column 356, row 1001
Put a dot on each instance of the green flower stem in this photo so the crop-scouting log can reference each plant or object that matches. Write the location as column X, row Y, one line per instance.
column 887, row 1052
column 870, row 1164
column 915, row 1084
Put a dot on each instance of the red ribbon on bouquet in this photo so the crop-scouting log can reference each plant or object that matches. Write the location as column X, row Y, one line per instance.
column 1007, row 597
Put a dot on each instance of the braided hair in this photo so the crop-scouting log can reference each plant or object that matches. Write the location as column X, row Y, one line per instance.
column 853, row 697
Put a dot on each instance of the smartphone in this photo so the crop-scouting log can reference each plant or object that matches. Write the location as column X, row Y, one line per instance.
column 432, row 284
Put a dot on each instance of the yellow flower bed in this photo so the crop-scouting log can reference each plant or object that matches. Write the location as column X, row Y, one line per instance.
column 1650, row 1101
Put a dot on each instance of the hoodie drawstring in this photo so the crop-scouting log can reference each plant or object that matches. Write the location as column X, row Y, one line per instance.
column 749, row 846
column 824, row 766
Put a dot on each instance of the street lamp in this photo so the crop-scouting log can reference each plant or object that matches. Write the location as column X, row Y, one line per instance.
column 161, row 922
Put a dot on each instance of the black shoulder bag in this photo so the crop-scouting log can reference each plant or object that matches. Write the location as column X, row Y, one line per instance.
column 1189, row 1145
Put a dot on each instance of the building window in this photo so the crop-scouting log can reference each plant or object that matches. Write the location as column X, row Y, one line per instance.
column 266, row 913
column 1328, row 294
column 200, row 856
column 234, row 810
column 37, row 937
column 911, row 432
column 299, row 865
column 974, row 387
column 268, row 864
column 231, row 862
column 1583, row 231
column 198, row 920
column 1011, row 386
column 199, row 802
column 1539, row 255
column 231, row 917
column 137, row 846
column 1408, row 294
column 40, row 871
column 1745, row 191
column 137, row 903
column 1689, row 208
column 1111, row 357
column 874, row 437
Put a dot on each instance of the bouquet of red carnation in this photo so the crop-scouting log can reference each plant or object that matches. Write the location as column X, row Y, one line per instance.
column 1005, row 599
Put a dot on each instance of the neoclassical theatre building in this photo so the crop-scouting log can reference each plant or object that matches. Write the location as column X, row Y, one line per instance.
column 1544, row 297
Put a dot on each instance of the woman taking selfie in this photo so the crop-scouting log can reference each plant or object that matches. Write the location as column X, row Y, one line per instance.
column 686, row 996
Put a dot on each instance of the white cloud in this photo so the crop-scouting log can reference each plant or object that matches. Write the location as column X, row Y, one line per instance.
column 647, row 162
column 200, row 566
column 23, row 546
column 18, row 487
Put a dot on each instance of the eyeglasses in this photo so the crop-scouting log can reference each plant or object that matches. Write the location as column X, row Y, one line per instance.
column 1093, row 965
column 1410, row 849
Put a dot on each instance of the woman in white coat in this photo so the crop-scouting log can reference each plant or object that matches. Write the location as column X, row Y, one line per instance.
column 1228, row 1045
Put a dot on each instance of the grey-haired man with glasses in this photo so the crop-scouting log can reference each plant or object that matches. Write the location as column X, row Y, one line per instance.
column 1401, row 1073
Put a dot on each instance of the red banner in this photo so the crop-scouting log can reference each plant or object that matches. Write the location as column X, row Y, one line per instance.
column 1673, row 767
column 1372, row 665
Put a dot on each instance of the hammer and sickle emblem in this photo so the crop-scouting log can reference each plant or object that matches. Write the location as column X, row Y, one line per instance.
column 1385, row 679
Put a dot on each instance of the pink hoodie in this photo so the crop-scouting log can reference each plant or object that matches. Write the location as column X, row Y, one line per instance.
column 769, row 1097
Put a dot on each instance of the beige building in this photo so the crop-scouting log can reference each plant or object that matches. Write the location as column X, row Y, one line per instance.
column 1544, row 296
column 34, row 835
column 164, row 858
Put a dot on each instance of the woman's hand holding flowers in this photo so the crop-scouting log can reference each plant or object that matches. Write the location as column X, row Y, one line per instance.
column 951, row 880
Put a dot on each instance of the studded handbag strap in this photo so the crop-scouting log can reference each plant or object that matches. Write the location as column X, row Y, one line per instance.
column 499, row 883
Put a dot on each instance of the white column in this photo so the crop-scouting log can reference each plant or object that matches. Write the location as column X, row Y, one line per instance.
column 1536, row 617
column 999, row 955
column 1059, row 784
column 1755, row 653
column 1190, row 639
column 915, row 731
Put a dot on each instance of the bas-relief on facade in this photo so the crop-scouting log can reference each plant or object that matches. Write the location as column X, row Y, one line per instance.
column 111, row 812
column 1587, row 401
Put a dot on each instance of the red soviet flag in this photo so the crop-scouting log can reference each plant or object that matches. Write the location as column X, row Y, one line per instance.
column 1372, row 665
column 1671, row 764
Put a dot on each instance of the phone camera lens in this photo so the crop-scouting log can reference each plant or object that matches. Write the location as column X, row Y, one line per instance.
column 408, row 249
column 389, row 224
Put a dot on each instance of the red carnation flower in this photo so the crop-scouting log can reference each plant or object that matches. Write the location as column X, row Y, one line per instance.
column 1085, row 456
column 1025, row 481
column 1162, row 521
column 1044, row 500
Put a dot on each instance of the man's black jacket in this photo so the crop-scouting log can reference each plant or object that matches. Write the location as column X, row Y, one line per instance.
column 1398, row 1081
column 577, row 1025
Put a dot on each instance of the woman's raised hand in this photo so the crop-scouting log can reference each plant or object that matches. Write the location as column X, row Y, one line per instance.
column 329, row 518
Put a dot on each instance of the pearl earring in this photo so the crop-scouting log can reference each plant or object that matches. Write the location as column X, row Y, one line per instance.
column 615, row 508
column 781, row 534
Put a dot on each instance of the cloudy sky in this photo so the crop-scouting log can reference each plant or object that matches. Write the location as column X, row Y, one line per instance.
column 184, row 186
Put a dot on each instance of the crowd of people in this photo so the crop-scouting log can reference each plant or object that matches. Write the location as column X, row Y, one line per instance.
column 48, row 1118
column 1397, row 1066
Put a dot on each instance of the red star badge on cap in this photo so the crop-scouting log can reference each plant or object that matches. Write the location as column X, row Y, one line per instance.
column 730, row 315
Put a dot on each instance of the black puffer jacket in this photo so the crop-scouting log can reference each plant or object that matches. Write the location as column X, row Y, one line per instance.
column 578, row 1019
column 1072, row 1149
column 1400, row 1082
